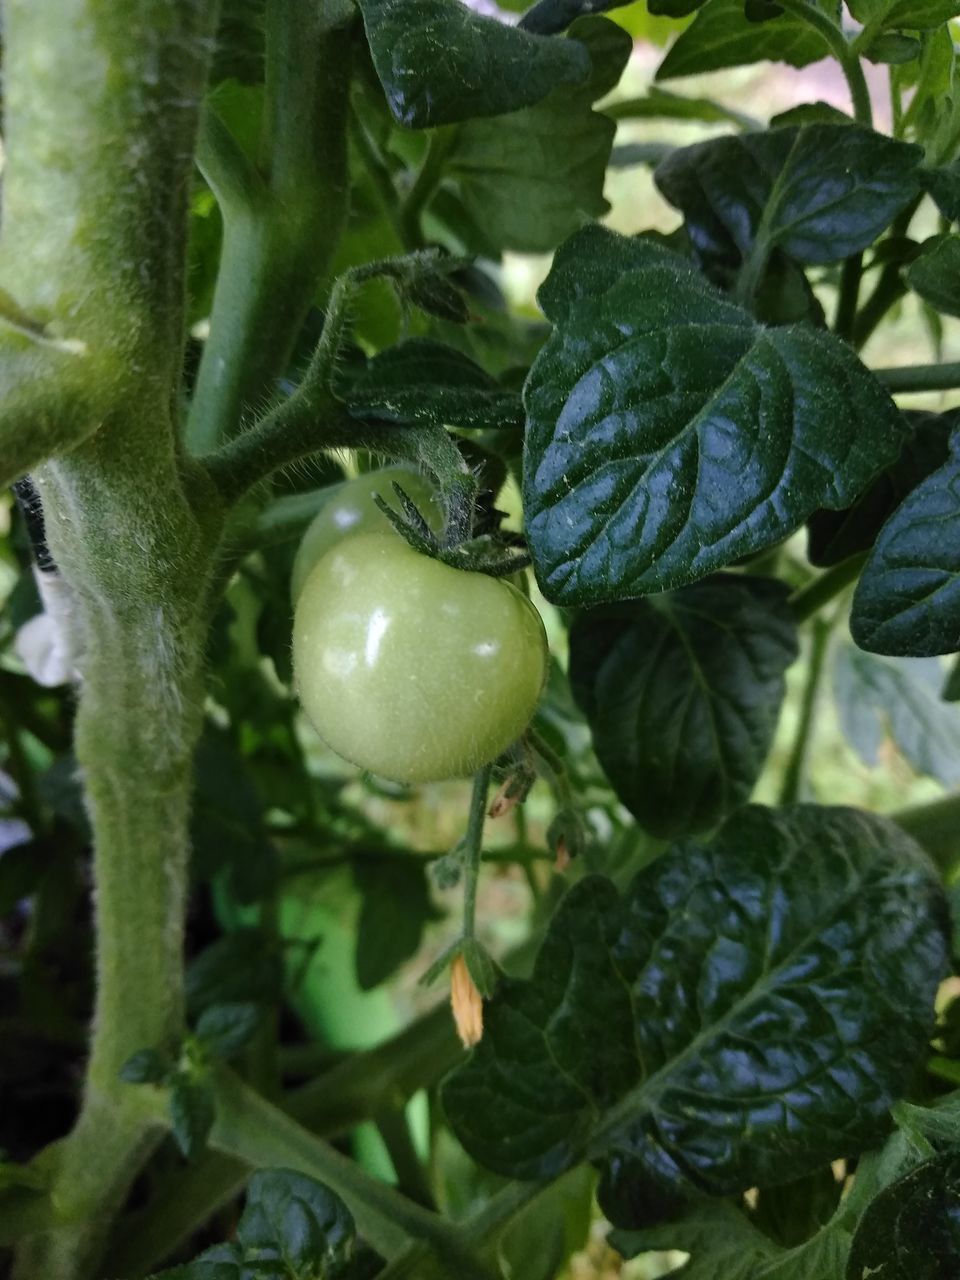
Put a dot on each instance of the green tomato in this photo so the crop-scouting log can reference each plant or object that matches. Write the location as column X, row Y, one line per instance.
column 411, row 669
column 350, row 509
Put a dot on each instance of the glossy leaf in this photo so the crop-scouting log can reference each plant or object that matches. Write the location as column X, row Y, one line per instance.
column 191, row 1111
column 836, row 535
column 422, row 381
column 721, row 35
column 907, row 601
column 533, row 177
column 911, row 1231
column 226, row 1029
column 935, row 274
column 902, row 696
column 292, row 1228
column 746, row 1012
column 440, row 63
column 819, row 193
column 547, row 17
column 682, row 692
column 643, row 464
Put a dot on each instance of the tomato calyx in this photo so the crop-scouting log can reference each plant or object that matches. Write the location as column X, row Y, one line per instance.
column 496, row 554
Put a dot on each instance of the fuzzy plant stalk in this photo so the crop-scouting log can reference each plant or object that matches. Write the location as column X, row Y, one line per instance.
column 102, row 101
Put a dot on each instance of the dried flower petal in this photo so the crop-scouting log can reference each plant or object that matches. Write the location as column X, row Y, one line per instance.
column 466, row 1003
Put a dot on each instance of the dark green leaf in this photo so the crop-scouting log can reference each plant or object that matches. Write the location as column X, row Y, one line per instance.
column 725, row 1245
column 395, row 910
column 836, row 535
column 292, row 1228
column 892, row 49
column 146, row 1066
column 440, row 63
column 226, row 1029
column 547, row 17
column 721, row 35
column 682, row 692
column 810, row 113
column 747, row 1012
column 909, row 14
column 901, row 696
column 533, row 177
column 943, row 186
column 426, row 382
column 907, row 601
column 645, row 409
column 911, row 1231
column 820, row 193
column 239, row 967
column 298, row 1224
column 191, row 1111
column 793, row 1211
column 935, row 274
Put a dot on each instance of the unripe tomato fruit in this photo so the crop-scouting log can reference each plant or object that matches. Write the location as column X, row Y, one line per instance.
column 411, row 669
column 350, row 509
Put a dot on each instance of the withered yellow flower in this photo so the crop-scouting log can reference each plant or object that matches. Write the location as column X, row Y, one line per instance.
column 466, row 1003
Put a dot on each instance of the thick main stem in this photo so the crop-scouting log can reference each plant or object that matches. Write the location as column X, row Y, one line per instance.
column 93, row 245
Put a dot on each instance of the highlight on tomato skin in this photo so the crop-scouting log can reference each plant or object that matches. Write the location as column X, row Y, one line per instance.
column 413, row 670
column 350, row 509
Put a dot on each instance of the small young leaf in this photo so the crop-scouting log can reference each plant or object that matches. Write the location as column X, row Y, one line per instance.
column 746, row 1013
column 645, row 411
column 902, row 696
column 239, row 967
column 146, row 1066
column 191, row 1111
column 422, row 381
column 836, row 535
column 535, row 176
column 292, row 1228
column 721, row 35
column 911, row 1230
column 820, row 192
column 935, row 274
column 486, row 67
column 907, row 601
column 682, row 692
column 296, row 1223
column 226, row 1029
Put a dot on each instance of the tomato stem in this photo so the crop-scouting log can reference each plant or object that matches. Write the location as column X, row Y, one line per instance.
column 473, row 848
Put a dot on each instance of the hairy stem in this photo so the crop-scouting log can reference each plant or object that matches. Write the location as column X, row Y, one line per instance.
column 844, row 53
column 473, row 849
column 281, row 226
column 122, row 520
column 360, row 1086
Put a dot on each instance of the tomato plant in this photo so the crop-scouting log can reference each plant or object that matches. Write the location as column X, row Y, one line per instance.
column 561, row 963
